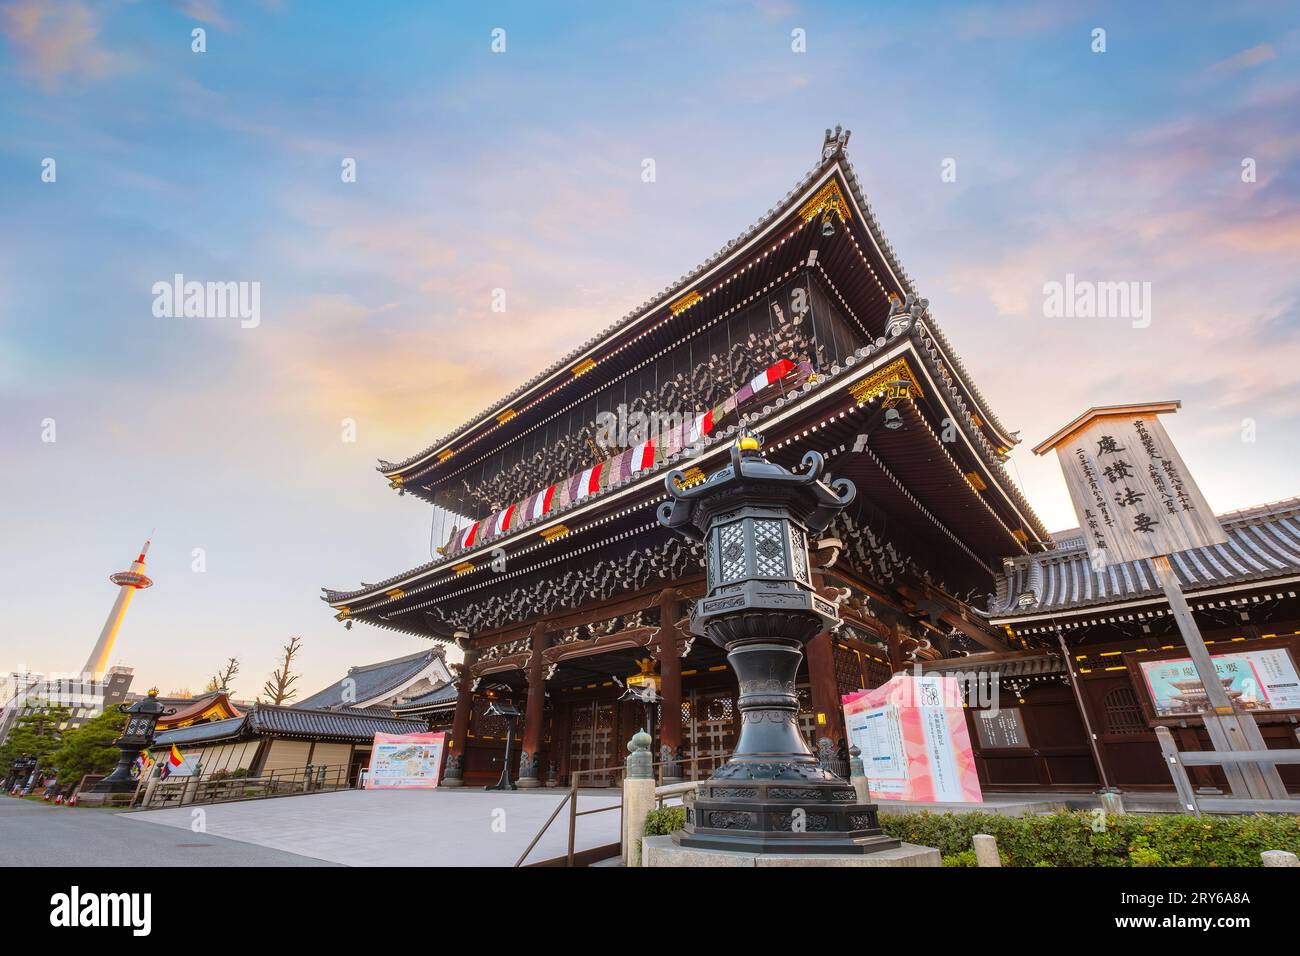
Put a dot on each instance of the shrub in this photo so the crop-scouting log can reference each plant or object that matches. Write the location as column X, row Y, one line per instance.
column 664, row 821
column 1086, row 839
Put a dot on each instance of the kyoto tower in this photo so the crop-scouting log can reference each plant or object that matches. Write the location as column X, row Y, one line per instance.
column 128, row 583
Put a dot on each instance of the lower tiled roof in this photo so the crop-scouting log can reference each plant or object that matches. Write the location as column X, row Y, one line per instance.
column 271, row 721
column 1263, row 544
column 439, row 697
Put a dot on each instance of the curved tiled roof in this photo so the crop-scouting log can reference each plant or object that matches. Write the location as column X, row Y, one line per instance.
column 202, row 733
column 338, row 724
column 369, row 681
column 1263, row 544
column 833, row 151
column 707, row 442
column 439, row 696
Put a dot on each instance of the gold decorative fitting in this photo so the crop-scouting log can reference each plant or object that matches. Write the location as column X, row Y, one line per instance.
column 505, row 416
column 976, row 481
column 693, row 476
column 550, row 534
column 685, row 302
column 445, row 454
column 747, row 443
column 396, row 481
column 395, row 593
column 464, row 567
column 343, row 612
column 583, row 367
column 895, row 382
column 977, row 421
column 828, row 199
column 1019, row 535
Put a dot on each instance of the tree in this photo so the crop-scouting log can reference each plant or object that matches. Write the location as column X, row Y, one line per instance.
column 36, row 733
column 89, row 748
column 222, row 678
column 182, row 692
column 279, row 688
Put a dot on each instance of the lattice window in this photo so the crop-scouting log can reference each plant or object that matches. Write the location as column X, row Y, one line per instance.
column 719, row 708
column 798, row 555
column 769, row 549
column 878, row 672
column 1123, row 712
column 488, row 725
column 848, row 672
column 731, row 552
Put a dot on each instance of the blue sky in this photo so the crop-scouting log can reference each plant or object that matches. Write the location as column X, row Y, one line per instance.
column 521, row 171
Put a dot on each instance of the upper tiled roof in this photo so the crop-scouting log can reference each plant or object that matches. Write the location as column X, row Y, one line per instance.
column 366, row 682
column 1263, row 543
column 833, row 151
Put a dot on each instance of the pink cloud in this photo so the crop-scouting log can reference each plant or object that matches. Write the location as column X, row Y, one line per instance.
column 53, row 41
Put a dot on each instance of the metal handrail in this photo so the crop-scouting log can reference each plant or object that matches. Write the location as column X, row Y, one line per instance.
column 220, row 786
column 571, row 800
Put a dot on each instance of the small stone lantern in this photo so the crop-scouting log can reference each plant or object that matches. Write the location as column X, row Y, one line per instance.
column 754, row 518
column 141, row 722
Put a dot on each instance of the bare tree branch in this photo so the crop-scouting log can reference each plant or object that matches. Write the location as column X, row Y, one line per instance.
column 279, row 688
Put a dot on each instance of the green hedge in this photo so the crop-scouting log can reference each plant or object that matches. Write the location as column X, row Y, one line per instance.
column 1074, row 839
column 664, row 820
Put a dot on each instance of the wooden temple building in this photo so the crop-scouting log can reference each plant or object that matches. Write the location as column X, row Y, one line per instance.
column 557, row 580
column 561, row 587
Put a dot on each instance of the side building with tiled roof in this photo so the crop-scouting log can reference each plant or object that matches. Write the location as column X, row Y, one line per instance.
column 267, row 739
column 1107, row 630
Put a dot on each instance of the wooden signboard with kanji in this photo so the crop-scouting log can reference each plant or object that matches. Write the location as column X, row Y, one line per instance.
column 1133, row 494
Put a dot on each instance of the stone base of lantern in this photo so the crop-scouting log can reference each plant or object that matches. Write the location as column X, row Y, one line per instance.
column 662, row 851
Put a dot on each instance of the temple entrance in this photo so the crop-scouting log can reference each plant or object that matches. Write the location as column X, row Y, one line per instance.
column 591, row 741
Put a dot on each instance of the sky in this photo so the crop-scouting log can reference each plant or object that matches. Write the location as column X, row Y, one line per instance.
column 1171, row 157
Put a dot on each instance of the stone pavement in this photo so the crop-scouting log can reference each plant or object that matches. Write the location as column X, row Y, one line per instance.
column 467, row 827
column 37, row 834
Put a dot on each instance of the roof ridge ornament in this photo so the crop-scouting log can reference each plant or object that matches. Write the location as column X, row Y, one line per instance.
column 835, row 143
column 904, row 313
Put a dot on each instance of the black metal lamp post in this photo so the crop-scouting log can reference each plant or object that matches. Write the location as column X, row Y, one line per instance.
column 141, row 721
column 500, row 708
column 754, row 518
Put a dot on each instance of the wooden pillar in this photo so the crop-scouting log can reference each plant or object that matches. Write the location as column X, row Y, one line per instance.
column 895, row 642
column 534, row 713
column 670, row 673
column 829, row 717
column 454, row 775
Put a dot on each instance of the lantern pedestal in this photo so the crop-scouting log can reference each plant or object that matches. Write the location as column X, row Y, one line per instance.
column 772, row 795
column 663, row 851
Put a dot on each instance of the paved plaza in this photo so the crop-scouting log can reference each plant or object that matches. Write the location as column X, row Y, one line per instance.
column 37, row 834
column 467, row 827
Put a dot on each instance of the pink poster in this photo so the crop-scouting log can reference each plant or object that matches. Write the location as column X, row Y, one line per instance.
column 914, row 742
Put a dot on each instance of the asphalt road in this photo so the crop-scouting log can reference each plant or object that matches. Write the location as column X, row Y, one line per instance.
column 36, row 834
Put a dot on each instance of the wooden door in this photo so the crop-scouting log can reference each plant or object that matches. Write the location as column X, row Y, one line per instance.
column 592, row 729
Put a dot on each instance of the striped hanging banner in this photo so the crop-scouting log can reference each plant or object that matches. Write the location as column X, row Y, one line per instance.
column 625, row 464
